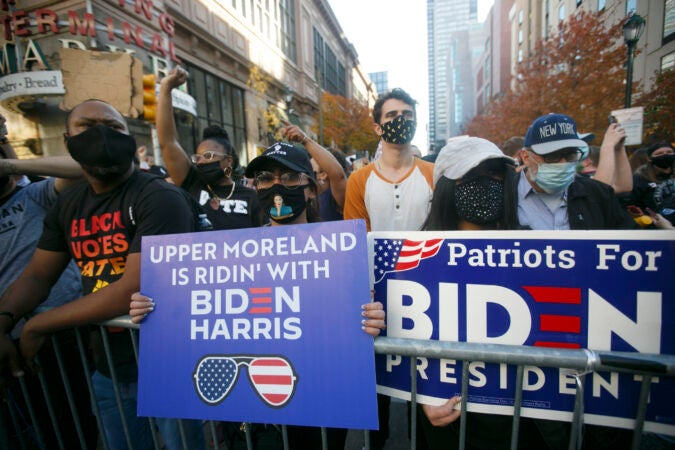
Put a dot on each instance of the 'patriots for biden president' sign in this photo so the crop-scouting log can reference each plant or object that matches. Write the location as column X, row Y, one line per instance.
column 259, row 325
column 598, row 290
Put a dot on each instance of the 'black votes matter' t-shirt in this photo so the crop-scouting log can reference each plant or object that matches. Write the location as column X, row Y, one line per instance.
column 100, row 230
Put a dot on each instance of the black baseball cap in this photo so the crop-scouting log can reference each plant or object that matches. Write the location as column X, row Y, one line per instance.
column 285, row 154
column 159, row 170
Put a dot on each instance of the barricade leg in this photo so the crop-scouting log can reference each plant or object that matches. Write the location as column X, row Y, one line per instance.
column 114, row 427
column 181, row 434
column 576, row 432
column 517, row 403
column 412, row 411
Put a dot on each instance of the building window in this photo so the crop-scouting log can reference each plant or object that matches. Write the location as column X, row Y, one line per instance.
column 274, row 20
column 631, row 6
column 520, row 17
column 332, row 73
column 520, row 55
column 668, row 61
column 218, row 103
column 520, row 36
column 488, row 68
column 601, row 4
column 459, row 107
column 668, row 21
column 561, row 13
column 287, row 29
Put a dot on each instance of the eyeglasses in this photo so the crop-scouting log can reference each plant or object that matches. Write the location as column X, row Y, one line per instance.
column 273, row 378
column 291, row 180
column 569, row 155
column 206, row 156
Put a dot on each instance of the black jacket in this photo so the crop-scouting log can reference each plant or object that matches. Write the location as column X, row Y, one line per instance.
column 592, row 205
column 658, row 196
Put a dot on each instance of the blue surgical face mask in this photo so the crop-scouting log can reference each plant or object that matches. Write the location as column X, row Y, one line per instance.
column 554, row 178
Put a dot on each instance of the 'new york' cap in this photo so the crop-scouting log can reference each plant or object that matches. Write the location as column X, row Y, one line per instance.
column 551, row 133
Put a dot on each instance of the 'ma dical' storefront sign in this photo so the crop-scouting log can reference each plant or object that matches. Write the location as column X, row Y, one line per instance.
column 259, row 325
column 602, row 290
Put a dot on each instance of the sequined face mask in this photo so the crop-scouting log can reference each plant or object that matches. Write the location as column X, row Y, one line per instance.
column 480, row 200
column 398, row 131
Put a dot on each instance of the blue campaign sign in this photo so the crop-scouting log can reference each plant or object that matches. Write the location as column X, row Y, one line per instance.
column 259, row 325
column 602, row 290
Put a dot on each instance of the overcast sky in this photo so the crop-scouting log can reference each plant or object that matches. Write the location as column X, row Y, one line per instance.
column 391, row 36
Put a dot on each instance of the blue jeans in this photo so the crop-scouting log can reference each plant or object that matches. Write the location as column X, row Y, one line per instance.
column 139, row 427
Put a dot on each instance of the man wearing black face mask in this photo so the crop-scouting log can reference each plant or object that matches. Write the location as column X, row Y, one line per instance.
column 393, row 193
column 94, row 223
column 654, row 182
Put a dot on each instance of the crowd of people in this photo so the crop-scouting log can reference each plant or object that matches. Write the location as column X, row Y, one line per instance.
column 539, row 181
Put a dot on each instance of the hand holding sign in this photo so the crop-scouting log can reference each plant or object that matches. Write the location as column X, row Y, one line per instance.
column 443, row 415
column 140, row 306
column 374, row 322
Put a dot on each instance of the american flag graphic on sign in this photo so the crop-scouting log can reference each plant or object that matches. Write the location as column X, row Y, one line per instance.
column 214, row 377
column 273, row 378
column 395, row 255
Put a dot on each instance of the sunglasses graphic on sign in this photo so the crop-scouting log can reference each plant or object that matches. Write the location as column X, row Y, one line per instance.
column 272, row 377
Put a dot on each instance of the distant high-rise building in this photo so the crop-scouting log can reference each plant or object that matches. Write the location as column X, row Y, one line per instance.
column 450, row 83
column 381, row 81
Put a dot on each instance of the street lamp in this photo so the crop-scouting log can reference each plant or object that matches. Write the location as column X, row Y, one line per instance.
column 632, row 30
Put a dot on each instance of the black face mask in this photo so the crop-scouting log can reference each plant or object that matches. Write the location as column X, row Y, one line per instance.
column 210, row 173
column 102, row 147
column 663, row 161
column 398, row 131
column 480, row 201
column 292, row 202
column 106, row 174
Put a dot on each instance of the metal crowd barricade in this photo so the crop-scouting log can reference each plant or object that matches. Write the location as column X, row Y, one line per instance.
column 583, row 361
column 21, row 427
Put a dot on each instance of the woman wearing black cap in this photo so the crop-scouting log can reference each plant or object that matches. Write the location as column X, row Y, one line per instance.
column 285, row 171
column 284, row 179
column 208, row 177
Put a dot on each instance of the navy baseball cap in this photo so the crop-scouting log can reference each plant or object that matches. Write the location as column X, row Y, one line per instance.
column 285, row 154
column 551, row 133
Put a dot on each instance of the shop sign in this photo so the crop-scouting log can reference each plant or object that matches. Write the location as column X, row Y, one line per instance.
column 31, row 83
